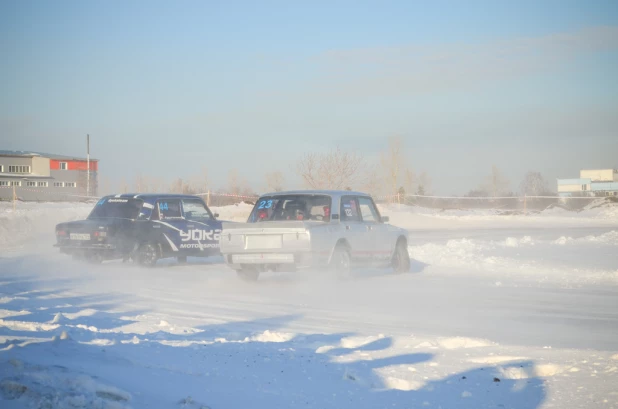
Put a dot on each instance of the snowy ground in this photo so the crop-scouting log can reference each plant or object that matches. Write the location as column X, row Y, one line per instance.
column 497, row 312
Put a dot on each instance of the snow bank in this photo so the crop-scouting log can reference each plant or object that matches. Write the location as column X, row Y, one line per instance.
column 37, row 386
column 234, row 213
column 590, row 259
column 414, row 217
column 30, row 220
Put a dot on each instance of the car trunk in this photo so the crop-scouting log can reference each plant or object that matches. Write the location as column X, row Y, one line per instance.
column 87, row 232
column 266, row 237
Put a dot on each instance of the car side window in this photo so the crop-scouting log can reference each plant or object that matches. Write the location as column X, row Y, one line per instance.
column 167, row 209
column 349, row 209
column 368, row 210
column 195, row 210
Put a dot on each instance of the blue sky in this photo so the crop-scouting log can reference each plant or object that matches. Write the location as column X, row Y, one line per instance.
column 167, row 88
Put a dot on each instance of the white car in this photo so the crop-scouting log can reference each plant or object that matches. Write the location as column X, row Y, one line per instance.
column 313, row 228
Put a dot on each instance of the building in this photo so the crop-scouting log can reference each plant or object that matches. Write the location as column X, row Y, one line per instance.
column 594, row 182
column 41, row 176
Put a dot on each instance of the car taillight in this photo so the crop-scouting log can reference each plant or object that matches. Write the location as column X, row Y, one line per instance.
column 100, row 234
column 61, row 233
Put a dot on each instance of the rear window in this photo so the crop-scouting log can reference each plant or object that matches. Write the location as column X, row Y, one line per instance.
column 291, row 207
column 116, row 207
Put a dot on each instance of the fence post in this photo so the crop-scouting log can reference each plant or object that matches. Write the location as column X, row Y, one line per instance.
column 14, row 197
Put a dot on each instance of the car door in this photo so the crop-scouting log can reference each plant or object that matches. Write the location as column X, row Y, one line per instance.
column 203, row 231
column 169, row 225
column 354, row 230
column 379, row 247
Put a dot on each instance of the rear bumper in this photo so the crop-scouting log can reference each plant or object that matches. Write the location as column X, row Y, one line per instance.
column 280, row 258
column 68, row 247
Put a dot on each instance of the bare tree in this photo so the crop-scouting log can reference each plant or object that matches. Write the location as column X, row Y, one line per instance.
column 333, row 170
column 176, row 186
column 233, row 182
column 391, row 163
column 201, row 183
column 141, row 184
column 409, row 181
column 424, row 184
column 497, row 184
column 534, row 185
column 106, row 187
column 157, row 185
column 275, row 181
column 373, row 182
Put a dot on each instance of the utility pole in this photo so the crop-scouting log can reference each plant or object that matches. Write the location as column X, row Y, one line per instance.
column 88, row 165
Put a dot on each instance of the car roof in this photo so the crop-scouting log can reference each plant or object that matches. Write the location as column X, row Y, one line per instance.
column 153, row 196
column 317, row 192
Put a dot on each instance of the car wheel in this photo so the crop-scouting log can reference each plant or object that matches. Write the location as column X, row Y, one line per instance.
column 401, row 258
column 182, row 259
column 248, row 274
column 341, row 262
column 148, row 254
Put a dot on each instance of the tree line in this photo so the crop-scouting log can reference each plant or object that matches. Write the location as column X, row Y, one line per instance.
column 337, row 169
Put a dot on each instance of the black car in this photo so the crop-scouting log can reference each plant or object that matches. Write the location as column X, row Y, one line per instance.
column 142, row 228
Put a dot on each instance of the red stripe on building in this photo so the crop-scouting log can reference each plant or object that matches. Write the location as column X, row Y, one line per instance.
column 74, row 165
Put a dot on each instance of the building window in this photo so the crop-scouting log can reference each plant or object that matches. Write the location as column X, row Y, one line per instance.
column 58, row 184
column 584, row 187
column 42, row 184
column 16, row 183
column 31, row 184
column 19, row 169
column 4, row 183
column 70, row 184
column 63, row 166
column 1, row 169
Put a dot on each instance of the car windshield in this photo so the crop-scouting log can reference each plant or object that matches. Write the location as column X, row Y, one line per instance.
column 116, row 207
column 291, row 207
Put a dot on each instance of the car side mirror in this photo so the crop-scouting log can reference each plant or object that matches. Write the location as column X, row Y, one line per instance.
column 335, row 217
column 216, row 215
column 385, row 219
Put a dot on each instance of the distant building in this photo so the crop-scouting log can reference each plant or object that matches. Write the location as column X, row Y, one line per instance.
column 594, row 182
column 42, row 176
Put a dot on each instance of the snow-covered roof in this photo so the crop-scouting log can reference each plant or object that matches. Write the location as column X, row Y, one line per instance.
column 30, row 154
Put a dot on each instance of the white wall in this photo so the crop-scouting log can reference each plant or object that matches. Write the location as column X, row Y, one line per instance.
column 598, row 175
column 570, row 188
column 40, row 166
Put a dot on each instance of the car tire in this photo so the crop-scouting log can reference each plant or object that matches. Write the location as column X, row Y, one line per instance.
column 148, row 254
column 401, row 258
column 249, row 274
column 182, row 259
column 341, row 261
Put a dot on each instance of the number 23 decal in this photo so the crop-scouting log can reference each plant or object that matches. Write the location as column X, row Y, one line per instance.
column 265, row 204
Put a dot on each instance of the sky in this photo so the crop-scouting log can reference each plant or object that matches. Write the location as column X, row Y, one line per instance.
column 168, row 89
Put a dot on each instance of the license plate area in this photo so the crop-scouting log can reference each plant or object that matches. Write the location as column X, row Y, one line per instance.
column 262, row 258
column 263, row 241
column 80, row 236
